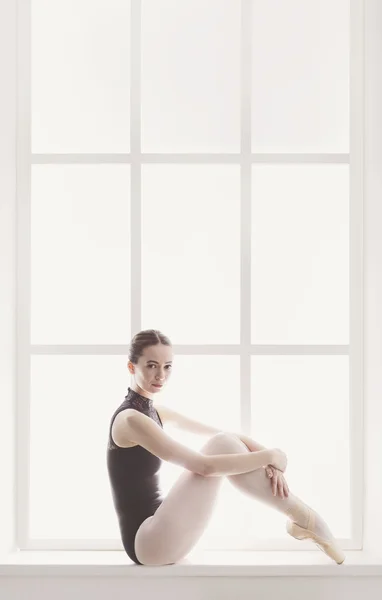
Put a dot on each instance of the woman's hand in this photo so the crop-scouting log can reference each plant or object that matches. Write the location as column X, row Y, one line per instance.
column 279, row 484
column 279, row 459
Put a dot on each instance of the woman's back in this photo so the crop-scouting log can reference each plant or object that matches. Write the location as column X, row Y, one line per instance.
column 134, row 475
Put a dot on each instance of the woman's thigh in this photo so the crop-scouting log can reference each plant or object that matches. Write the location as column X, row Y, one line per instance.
column 171, row 533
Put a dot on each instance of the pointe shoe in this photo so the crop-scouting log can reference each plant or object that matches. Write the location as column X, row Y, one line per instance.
column 332, row 549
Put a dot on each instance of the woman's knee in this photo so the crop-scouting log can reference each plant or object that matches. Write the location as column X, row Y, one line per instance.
column 224, row 443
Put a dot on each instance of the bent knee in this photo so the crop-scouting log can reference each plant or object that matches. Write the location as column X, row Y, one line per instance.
column 224, row 443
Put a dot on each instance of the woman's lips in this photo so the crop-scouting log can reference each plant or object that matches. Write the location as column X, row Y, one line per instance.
column 157, row 384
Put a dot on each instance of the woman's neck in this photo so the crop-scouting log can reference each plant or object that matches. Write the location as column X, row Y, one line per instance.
column 136, row 388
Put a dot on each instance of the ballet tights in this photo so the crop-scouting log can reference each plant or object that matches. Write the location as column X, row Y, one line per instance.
column 171, row 533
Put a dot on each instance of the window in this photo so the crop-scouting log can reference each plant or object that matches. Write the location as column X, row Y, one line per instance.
column 196, row 168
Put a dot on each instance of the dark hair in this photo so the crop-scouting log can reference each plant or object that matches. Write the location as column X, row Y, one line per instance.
column 147, row 337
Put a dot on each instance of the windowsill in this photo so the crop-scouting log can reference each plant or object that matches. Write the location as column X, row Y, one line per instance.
column 198, row 564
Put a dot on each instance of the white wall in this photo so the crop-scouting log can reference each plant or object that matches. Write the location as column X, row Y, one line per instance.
column 13, row 588
column 7, row 265
column 373, row 275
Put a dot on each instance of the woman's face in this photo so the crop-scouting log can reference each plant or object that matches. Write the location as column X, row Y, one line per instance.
column 153, row 368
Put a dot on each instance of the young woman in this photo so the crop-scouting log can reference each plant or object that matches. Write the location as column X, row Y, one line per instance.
column 160, row 531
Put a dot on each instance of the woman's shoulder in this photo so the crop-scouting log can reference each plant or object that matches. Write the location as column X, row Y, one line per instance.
column 119, row 429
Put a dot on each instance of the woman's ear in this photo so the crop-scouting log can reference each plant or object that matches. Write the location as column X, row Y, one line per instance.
column 130, row 366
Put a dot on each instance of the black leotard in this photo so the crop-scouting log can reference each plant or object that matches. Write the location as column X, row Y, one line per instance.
column 134, row 478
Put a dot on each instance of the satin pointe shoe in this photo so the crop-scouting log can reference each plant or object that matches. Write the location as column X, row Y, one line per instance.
column 331, row 548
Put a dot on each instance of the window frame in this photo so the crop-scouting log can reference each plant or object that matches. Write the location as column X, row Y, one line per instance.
column 24, row 350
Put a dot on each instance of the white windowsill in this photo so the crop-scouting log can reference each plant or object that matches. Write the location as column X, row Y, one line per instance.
column 198, row 564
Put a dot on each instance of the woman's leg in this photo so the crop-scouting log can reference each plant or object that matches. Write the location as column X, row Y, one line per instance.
column 171, row 533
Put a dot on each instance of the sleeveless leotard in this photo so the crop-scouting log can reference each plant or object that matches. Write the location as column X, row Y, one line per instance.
column 134, row 477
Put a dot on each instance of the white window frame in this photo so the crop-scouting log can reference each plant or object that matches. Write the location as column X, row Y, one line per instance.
column 245, row 349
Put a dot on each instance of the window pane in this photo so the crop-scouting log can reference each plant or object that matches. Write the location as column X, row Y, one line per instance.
column 72, row 401
column 301, row 405
column 300, row 254
column 190, row 76
column 191, row 252
column 300, row 68
column 80, row 254
column 207, row 388
column 80, row 76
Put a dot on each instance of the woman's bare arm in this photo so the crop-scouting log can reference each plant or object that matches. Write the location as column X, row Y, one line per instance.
column 177, row 419
column 142, row 430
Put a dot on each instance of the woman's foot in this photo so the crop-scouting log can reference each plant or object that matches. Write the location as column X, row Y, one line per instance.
column 319, row 533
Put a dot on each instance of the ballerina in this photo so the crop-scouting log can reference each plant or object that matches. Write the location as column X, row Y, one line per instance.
column 157, row 530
